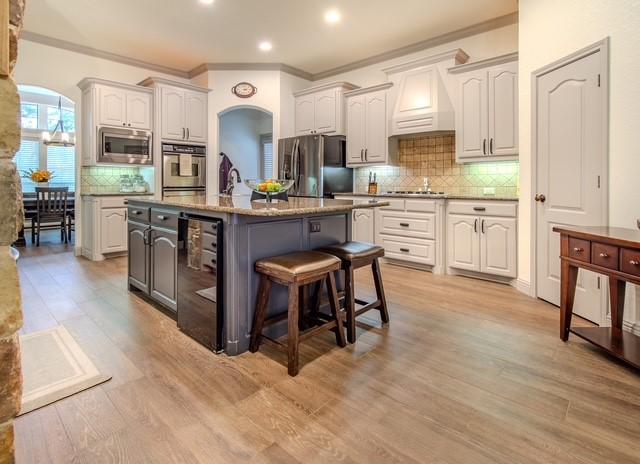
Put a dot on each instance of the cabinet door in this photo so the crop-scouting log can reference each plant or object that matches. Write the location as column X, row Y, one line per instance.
column 305, row 115
column 463, row 243
column 172, row 113
column 472, row 115
column 355, row 129
column 325, row 112
column 362, row 225
column 138, row 256
column 196, row 116
column 503, row 109
column 498, row 246
column 113, row 230
column 376, row 127
column 112, row 103
column 139, row 110
column 164, row 260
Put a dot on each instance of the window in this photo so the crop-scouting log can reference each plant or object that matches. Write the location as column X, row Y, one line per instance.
column 39, row 111
column 266, row 144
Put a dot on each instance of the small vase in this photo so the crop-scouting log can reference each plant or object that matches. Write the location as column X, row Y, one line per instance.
column 42, row 184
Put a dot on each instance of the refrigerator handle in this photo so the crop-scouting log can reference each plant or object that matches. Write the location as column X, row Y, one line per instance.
column 295, row 163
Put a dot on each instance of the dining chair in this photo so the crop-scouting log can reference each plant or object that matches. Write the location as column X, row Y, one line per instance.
column 51, row 206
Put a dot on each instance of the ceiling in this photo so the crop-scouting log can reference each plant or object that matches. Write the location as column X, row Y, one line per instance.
column 183, row 34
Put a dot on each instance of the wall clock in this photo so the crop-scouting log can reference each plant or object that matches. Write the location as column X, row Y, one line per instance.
column 244, row 90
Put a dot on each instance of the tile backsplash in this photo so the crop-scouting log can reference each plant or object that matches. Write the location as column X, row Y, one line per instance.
column 434, row 157
column 103, row 179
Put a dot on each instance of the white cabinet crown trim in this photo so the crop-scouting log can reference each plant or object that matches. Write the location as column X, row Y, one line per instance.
column 494, row 61
column 152, row 81
column 456, row 54
column 364, row 90
column 88, row 81
column 330, row 85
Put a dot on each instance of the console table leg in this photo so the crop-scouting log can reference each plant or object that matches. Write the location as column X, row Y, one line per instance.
column 617, row 289
column 568, row 280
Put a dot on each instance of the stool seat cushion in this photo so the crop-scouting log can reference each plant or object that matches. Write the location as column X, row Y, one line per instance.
column 297, row 264
column 350, row 251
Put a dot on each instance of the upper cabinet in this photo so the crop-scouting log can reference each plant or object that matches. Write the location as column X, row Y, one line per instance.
column 367, row 138
column 320, row 110
column 182, row 110
column 119, row 105
column 487, row 109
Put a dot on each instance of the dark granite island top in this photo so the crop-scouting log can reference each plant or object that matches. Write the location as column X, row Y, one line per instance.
column 160, row 243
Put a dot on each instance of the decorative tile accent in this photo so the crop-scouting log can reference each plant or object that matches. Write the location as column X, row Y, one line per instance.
column 99, row 179
column 434, row 157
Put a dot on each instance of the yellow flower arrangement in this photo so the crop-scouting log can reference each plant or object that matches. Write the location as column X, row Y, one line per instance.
column 38, row 175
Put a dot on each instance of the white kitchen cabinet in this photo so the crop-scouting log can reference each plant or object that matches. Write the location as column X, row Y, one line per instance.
column 113, row 225
column 363, row 221
column 139, row 110
column 487, row 109
column 196, row 116
column 320, row 109
column 367, row 141
column 112, row 106
column 173, row 115
column 482, row 237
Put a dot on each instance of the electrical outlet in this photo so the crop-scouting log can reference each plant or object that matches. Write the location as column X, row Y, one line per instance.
column 489, row 191
column 314, row 227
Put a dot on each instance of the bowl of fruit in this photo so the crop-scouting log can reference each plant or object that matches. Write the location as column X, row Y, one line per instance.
column 268, row 187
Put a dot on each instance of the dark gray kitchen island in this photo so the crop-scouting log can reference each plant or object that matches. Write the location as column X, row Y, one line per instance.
column 195, row 256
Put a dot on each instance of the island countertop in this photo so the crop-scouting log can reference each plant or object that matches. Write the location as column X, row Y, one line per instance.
column 242, row 205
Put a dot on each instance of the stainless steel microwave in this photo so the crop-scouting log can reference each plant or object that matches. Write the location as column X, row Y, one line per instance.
column 124, row 146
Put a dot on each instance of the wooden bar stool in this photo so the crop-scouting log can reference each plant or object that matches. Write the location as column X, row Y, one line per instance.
column 295, row 270
column 354, row 255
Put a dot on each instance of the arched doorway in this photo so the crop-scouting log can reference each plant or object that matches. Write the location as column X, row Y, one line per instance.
column 245, row 144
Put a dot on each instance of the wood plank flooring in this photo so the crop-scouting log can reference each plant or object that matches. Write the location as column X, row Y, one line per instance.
column 467, row 372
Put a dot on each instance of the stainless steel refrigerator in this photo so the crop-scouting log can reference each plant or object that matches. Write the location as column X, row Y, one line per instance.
column 316, row 163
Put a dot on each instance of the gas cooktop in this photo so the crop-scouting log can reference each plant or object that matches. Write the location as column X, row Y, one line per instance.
column 417, row 193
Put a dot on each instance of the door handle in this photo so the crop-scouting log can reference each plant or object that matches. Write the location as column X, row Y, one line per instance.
column 484, row 146
column 362, row 154
column 540, row 197
column 479, row 208
column 161, row 217
column 366, row 154
column 491, row 145
column 404, row 224
column 482, row 226
column 183, row 133
column 475, row 225
column 405, row 250
column 188, row 135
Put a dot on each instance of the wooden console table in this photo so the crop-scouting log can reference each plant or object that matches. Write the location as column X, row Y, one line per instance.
column 615, row 253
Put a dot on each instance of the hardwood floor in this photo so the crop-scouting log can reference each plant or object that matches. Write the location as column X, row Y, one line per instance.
column 466, row 372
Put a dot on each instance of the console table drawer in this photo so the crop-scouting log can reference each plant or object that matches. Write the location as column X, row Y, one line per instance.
column 630, row 261
column 580, row 249
column 604, row 255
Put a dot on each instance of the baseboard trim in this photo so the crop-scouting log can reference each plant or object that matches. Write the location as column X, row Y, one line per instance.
column 523, row 286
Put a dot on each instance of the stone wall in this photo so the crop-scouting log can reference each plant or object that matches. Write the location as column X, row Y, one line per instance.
column 11, row 217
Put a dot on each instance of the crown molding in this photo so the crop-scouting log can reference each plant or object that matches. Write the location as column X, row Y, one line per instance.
column 87, row 81
column 474, row 29
column 345, row 86
column 153, row 81
column 484, row 63
column 204, row 67
column 457, row 55
column 63, row 44
column 364, row 90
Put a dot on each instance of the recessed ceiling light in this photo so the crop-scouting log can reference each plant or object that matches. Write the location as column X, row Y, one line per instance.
column 265, row 46
column 206, row 2
column 332, row 16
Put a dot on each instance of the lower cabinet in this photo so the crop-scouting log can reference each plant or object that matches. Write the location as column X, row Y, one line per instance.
column 113, row 230
column 138, row 256
column 362, row 221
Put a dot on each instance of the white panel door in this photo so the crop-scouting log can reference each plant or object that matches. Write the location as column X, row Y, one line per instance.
column 570, row 151
column 305, row 115
column 362, row 225
column 113, row 230
column 139, row 110
column 503, row 109
column 196, row 116
column 376, row 127
column 498, row 246
column 355, row 129
column 325, row 112
column 463, row 243
column 113, row 106
column 172, row 114
column 472, row 116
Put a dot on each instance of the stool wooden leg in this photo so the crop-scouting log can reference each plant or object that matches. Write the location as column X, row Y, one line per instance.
column 293, row 336
column 377, row 279
column 262, row 303
column 317, row 295
column 350, row 304
column 335, row 309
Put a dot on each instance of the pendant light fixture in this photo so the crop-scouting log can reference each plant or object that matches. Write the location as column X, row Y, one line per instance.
column 58, row 137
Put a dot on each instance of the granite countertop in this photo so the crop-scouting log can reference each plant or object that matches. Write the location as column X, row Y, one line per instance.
column 242, row 205
column 429, row 197
column 116, row 194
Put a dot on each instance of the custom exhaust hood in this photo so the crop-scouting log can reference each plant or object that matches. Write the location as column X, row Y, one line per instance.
column 423, row 94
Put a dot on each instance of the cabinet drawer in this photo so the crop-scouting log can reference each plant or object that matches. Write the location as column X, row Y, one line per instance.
column 630, row 261
column 604, row 255
column 209, row 242
column 138, row 213
column 420, row 251
column 113, row 202
column 209, row 258
column 423, row 206
column 408, row 225
column 580, row 249
column 164, row 218
column 489, row 208
column 396, row 204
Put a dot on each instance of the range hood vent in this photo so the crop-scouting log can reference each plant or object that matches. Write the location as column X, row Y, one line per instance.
column 422, row 100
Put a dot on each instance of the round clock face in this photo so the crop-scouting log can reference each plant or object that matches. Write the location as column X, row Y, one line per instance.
column 244, row 90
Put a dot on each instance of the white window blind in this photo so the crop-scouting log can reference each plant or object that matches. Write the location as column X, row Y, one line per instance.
column 61, row 160
column 28, row 157
column 266, row 142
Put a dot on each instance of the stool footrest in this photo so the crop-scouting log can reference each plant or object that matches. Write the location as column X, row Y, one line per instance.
column 308, row 333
